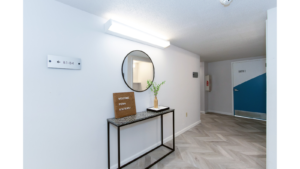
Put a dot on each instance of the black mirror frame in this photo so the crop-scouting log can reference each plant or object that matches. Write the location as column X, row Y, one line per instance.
column 123, row 74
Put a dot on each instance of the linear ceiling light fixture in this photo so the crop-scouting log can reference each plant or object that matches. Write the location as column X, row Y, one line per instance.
column 118, row 29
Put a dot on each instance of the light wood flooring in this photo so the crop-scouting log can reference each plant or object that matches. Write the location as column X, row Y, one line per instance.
column 218, row 142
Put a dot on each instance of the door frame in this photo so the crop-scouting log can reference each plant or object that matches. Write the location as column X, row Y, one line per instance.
column 232, row 79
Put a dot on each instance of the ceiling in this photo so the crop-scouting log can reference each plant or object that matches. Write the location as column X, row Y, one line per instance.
column 204, row 27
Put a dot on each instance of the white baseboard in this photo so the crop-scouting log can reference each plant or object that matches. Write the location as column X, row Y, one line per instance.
column 155, row 145
column 202, row 112
column 220, row 112
column 181, row 131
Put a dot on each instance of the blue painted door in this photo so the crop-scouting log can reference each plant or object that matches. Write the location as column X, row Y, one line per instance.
column 249, row 88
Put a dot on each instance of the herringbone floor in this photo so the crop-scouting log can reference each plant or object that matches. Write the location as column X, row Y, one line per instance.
column 219, row 142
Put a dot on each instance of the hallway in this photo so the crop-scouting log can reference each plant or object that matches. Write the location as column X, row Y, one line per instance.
column 218, row 142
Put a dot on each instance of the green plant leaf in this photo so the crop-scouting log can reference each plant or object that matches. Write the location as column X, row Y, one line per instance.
column 154, row 87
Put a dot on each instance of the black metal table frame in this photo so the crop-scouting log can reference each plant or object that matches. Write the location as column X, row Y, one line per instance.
column 162, row 141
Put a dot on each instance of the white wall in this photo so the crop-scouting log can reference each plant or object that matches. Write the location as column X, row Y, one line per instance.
column 145, row 73
column 65, row 111
column 220, row 97
column 272, row 89
column 202, row 87
column 204, row 94
column 135, row 72
column 125, row 69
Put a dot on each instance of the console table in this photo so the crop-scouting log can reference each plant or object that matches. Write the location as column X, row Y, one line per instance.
column 141, row 116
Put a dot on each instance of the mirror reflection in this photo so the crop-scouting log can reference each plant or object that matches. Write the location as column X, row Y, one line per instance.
column 137, row 68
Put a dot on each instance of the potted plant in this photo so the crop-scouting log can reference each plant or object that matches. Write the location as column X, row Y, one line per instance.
column 155, row 88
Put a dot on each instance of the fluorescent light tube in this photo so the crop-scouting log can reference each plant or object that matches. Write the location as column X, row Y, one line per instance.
column 124, row 31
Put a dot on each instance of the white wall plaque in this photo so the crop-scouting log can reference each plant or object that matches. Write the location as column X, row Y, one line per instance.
column 61, row 62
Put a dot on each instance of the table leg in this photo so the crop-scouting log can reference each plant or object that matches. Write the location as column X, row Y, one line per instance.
column 162, row 129
column 108, row 146
column 119, row 155
column 174, row 130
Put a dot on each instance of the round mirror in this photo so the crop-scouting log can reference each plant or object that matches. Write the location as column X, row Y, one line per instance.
column 137, row 68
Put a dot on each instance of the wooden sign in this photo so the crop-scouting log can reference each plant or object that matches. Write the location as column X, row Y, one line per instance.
column 124, row 104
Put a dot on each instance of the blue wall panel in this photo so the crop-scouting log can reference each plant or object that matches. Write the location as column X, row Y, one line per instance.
column 251, row 95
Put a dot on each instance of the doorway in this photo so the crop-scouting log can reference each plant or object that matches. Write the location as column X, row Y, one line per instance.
column 249, row 88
